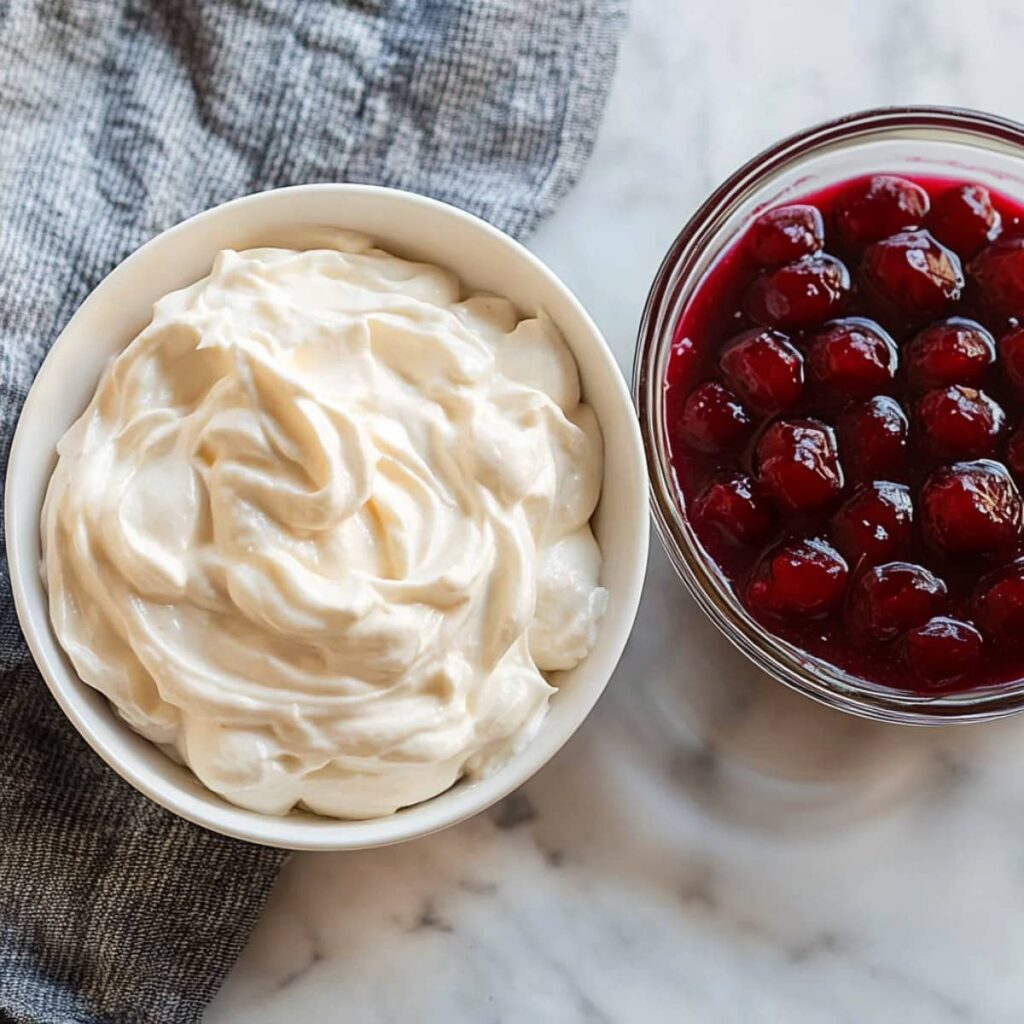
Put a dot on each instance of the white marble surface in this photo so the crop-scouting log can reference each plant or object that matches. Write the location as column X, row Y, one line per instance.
column 709, row 847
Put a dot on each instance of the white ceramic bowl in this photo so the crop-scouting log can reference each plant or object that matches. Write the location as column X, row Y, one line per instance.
column 409, row 225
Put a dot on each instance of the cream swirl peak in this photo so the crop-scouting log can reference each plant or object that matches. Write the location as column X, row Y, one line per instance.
column 324, row 528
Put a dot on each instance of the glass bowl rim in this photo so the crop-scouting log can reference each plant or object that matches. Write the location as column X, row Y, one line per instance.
column 786, row 662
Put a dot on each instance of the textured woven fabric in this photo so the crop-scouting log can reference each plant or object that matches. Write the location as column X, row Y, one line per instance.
column 117, row 119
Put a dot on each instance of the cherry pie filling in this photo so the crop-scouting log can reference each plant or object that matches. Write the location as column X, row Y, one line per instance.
column 845, row 411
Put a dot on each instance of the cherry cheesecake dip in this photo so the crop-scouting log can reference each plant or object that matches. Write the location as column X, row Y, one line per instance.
column 323, row 532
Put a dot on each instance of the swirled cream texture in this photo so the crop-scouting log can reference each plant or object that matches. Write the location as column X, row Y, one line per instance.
column 323, row 530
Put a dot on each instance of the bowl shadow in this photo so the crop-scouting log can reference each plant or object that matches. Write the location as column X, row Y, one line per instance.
column 750, row 750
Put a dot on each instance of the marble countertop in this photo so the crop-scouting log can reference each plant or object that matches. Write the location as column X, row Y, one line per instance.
column 709, row 847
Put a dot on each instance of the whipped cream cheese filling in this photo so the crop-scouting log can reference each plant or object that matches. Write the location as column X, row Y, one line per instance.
column 323, row 531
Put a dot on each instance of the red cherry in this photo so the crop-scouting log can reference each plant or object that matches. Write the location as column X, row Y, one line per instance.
column 797, row 464
column 1011, row 358
column 712, row 418
column 964, row 218
column 878, row 206
column 784, row 234
column 1015, row 453
column 971, row 508
column 681, row 361
column 875, row 524
column 912, row 274
column 960, row 422
column 887, row 599
column 803, row 579
column 852, row 357
column 735, row 509
column 798, row 295
column 954, row 351
column 998, row 271
column 999, row 604
column 873, row 439
column 764, row 369
column 943, row 649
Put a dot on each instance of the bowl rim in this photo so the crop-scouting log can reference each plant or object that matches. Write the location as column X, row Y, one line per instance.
column 786, row 662
column 302, row 830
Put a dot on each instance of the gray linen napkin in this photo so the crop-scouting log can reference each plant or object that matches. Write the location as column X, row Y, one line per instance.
column 117, row 119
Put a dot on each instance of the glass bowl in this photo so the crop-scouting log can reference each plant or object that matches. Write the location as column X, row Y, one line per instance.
column 921, row 141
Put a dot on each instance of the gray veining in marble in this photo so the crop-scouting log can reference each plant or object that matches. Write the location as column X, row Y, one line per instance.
column 709, row 847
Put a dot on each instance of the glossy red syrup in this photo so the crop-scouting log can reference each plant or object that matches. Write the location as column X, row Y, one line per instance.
column 845, row 410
